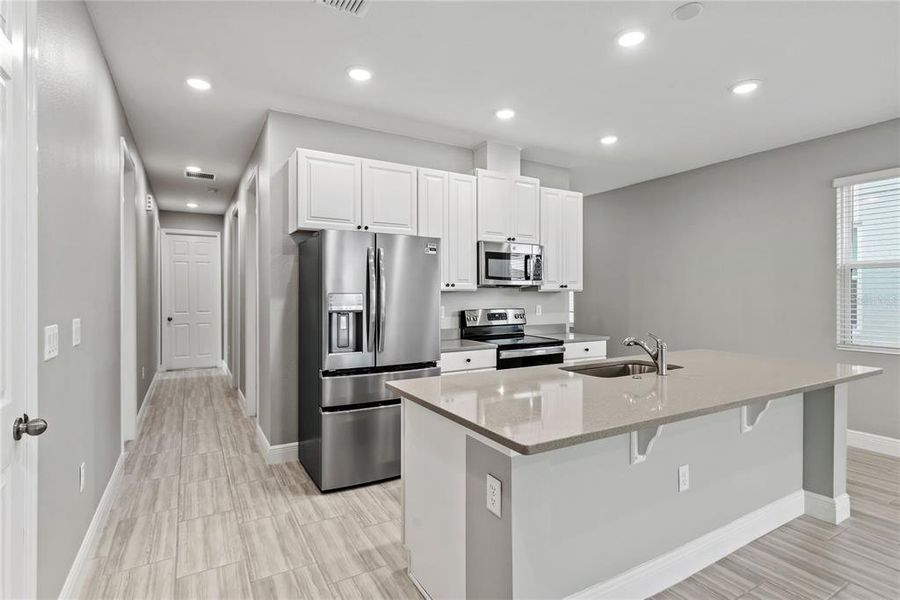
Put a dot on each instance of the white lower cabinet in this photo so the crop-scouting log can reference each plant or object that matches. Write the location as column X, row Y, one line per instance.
column 575, row 352
column 562, row 236
column 472, row 360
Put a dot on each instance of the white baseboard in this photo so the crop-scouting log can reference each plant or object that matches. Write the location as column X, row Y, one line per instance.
column 874, row 443
column 668, row 569
column 77, row 572
column 278, row 453
column 830, row 510
column 142, row 410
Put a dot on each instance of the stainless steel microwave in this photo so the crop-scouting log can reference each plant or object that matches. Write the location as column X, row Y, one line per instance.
column 513, row 264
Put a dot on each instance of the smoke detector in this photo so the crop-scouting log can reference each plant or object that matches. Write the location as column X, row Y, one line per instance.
column 357, row 8
column 199, row 175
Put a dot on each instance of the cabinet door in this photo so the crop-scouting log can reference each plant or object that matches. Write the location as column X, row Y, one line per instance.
column 327, row 190
column 460, row 245
column 389, row 199
column 526, row 210
column 432, row 197
column 552, row 238
column 573, row 240
column 494, row 206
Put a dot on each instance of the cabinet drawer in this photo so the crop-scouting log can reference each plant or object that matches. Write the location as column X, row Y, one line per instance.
column 579, row 351
column 467, row 361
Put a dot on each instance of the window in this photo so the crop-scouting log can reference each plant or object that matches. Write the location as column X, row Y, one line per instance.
column 868, row 261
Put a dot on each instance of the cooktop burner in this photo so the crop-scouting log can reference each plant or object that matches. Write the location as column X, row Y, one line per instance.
column 520, row 341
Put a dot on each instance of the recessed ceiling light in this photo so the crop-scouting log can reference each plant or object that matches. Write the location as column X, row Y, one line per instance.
column 609, row 140
column 198, row 84
column 505, row 114
column 192, row 205
column 359, row 74
column 745, row 87
column 688, row 11
column 630, row 38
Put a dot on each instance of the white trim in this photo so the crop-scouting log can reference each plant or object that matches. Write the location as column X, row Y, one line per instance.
column 668, row 569
column 866, row 177
column 279, row 453
column 870, row 349
column 176, row 231
column 830, row 510
column 77, row 572
column 147, row 395
column 127, row 295
column 881, row 444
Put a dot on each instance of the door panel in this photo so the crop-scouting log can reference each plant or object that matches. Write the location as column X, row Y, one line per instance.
column 573, row 242
column 432, row 194
column 389, row 198
column 459, row 245
column 409, row 300
column 191, row 298
column 329, row 190
column 494, row 205
column 552, row 238
column 359, row 446
column 526, row 210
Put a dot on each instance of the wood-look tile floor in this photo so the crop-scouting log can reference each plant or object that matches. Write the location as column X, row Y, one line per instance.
column 200, row 514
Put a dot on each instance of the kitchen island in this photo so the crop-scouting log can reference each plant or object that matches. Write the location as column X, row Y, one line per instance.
column 548, row 482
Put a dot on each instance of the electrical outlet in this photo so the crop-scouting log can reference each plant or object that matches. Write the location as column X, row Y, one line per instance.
column 494, row 488
column 76, row 332
column 538, row 310
column 684, row 478
column 51, row 341
column 81, row 478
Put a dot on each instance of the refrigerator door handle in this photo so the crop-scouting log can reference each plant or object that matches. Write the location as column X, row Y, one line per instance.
column 372, row 299
column 382, row 300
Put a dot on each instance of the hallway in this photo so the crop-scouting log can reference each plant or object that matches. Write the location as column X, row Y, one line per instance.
column 199, row 514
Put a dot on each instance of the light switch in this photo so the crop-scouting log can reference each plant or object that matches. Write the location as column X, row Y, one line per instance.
column 76, row 332
column 51, row 341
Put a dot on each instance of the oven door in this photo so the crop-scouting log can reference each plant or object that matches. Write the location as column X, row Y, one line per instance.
column 530, row 357
column 505, row 264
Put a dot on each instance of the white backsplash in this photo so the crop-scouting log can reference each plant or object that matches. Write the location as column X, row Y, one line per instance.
column 554, row 305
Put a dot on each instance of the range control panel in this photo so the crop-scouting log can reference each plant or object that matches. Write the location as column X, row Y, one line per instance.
column 493, row 316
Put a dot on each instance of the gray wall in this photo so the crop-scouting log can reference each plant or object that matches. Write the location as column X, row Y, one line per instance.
column 80, row 121
column 738, row 256
column 147, row 283
column 281, row 134
column 171, row 219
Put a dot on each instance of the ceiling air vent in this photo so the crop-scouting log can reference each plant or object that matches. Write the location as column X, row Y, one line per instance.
column 200, row 175
column 356, row 8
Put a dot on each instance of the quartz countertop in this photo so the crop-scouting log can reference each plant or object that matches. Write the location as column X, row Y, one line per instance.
column 536, row 409
column 460, row 345
column 574, row 337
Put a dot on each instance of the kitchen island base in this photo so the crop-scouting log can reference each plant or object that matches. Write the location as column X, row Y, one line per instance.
column 591, row 521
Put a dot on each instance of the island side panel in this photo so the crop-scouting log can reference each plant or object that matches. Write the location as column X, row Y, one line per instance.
column 584, row 514
column 825, row 453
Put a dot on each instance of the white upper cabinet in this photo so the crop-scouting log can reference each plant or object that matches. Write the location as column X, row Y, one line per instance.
column 432, row 198
column 562, row 227
column 509, row 207
column 494, row 206
column 389, row 198
column 325, row 191
column 526, row 210
column 333, row 191
column 459, row 247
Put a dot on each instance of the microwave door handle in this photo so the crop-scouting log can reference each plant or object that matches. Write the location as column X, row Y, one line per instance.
column 382, row 292
column 527, row 267
column 372, row 300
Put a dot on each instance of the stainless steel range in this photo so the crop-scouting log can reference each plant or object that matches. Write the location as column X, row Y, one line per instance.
column 368, row 313
column 505, row 327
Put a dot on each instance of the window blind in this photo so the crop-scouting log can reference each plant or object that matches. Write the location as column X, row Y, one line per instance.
column 868, row 262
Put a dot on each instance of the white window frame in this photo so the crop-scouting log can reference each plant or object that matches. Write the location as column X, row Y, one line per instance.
column 844, row 266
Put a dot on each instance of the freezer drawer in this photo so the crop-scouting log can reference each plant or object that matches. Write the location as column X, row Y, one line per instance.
column 343, row 390
column 360, row 446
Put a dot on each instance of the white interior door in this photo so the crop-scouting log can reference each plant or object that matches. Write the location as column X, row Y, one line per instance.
column 191, row 300
column 18, row 327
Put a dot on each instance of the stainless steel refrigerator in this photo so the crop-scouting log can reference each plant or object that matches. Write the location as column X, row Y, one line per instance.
column 368, row 313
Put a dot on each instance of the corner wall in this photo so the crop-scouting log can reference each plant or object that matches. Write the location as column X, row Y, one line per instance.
column 738, row 256
column 79, row 123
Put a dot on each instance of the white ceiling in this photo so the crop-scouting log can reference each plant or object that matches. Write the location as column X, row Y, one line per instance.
column 441, row 69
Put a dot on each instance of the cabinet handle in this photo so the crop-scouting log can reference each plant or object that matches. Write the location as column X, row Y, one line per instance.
column 446, row 285
column 587, row 349
column 513, row 239
column 452, row 285
column 359, row 226
column 468, row 360
column 366, row 227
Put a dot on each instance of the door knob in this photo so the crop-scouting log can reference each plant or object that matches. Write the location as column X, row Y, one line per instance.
column 24, row 425
column 169, row 319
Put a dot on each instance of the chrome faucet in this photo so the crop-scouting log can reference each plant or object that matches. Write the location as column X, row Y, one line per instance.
column 659, row 355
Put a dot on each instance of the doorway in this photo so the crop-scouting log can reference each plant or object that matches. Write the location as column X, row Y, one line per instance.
column 249, row 299
column 191, row 299
column 18, row 303
column 127, row 292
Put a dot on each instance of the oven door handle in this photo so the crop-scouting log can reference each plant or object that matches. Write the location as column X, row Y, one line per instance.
column 531, row 352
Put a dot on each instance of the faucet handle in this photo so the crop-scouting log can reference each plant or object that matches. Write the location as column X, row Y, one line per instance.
column 659, row 341
column 629, row 341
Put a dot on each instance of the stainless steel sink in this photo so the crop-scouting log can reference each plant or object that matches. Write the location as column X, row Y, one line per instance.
column 623, row 369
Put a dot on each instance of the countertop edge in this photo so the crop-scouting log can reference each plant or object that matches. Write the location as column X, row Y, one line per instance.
column 599, row 435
